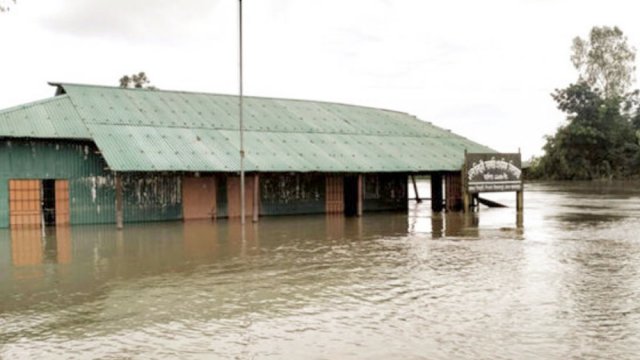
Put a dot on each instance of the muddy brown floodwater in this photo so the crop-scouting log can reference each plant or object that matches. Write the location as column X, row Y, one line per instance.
column 387, row 286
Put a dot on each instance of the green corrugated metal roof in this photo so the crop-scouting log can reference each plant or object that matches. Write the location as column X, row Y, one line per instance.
column 149, row 130
column 50, row 118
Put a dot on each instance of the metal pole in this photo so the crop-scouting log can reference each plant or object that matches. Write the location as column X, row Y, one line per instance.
column 242, row 194
column 119, row 198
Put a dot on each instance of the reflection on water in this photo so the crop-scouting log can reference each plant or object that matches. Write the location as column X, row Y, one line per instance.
column 26, row 247
column 562, row 282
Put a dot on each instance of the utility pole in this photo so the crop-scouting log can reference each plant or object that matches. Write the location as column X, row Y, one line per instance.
column 242, row 194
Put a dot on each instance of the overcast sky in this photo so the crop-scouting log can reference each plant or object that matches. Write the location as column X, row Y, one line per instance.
column 483, row 69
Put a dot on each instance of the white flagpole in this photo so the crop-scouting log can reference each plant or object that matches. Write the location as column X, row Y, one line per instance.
column 242, row 192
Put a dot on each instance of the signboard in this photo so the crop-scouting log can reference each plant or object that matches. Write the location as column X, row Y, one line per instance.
column 493, row 172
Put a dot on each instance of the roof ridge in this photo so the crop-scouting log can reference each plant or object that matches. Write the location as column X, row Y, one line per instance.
column 63, row 84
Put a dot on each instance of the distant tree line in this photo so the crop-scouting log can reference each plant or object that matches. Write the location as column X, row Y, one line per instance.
column 600, row 138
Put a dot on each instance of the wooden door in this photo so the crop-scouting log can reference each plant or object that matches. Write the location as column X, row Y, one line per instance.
column 25, row 207
column 62, row 202
column 233, row 196
column 334, row 194
column 199, row 198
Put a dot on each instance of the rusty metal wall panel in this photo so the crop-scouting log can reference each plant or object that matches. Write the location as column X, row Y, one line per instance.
column 233, row 196
column 62, row 202
column 335, row 194
column 453, row 188
column 292, row 193
column 151, row 197
column 25, row 208
column 384, row 192
column 199, row 197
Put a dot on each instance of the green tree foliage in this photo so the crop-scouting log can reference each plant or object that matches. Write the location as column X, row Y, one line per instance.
column 598, row 140
column 138, row 81
column 605, row 61
column 600, row 137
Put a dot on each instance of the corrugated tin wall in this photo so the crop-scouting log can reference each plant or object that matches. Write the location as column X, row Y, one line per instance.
column 157, row 196
column 151, row 197
column 292, row 194
column 385, row 192
column 89, row 190
column 148, row 197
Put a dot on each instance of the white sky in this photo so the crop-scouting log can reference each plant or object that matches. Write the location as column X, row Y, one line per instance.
column 484, row 69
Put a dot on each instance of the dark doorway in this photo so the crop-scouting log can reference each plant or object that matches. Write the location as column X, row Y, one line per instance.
column 49, row 202
column 351, row 195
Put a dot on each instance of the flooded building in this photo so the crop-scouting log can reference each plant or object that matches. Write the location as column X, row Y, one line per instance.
column 91, row 154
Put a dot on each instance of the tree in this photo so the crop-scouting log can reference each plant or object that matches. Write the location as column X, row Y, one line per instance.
column 5, row 5
column 138, row 81
column 605, row 61
column 600, row 138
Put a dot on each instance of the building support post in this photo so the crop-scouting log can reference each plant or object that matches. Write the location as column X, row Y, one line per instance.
column 436, row 192
column 241, row 119
column 415, row 188
column 119, row 206
column 520, row 208
column 256, row 197
column 466, row 200
column 360, row 195
column 520, row 201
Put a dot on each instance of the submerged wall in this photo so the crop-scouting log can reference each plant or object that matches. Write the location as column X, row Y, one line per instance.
column 90, row 186
column 151, row 197
column 292, row 193
column 148, row 197
column 385, row 192
column 157, row 196
column 295, row 193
